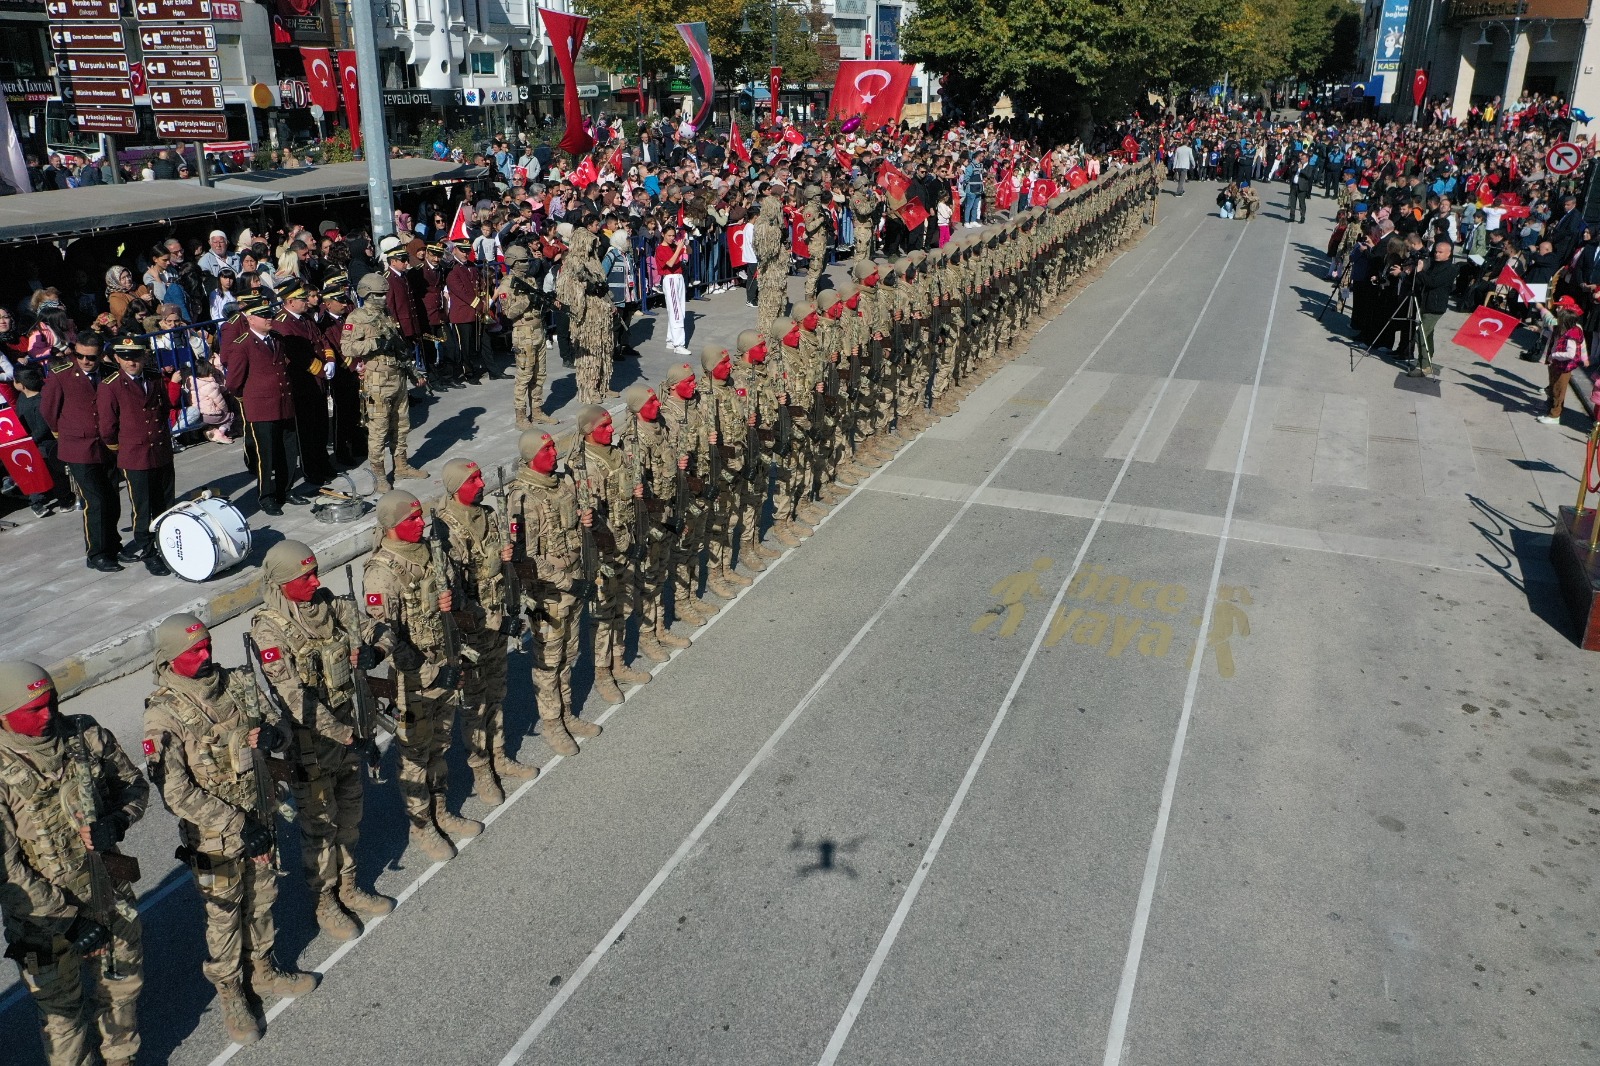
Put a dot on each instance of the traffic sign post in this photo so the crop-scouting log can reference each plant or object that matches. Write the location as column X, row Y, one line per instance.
column 1563, row 158
column 182, row 68
column 175, row 127
column 106, row 120
column 88, row 37
column 82, row 10
column 85, row 93
column 93, row 65
column 185, row 97
column 172, row 10
column 177, row 38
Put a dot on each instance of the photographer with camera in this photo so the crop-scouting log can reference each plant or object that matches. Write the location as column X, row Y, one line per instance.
column 1433, row 279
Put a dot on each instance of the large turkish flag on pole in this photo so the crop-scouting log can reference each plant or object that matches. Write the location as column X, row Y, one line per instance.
column 566, row 38
column 352, row 95
column 21, row 456
column 319, row 76
column 875, row 91
column 1484, row 331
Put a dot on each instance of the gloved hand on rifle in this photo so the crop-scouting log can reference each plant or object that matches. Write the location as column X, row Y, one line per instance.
column 448, row 677
column 365, row 657
column 582, row 589
column 86, row 935
column 103, row 834
column 257, row 838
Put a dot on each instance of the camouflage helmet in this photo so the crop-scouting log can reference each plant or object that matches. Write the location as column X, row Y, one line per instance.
column 456, row 473
column 21, row 683
column 373, row 284
column 711, row 355
column 590, row 415
column 636, row 396
column 748, row 339
column 177, row 634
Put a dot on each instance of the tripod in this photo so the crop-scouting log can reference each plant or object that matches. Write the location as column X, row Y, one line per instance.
column 1409, row 316
column 1338, row 290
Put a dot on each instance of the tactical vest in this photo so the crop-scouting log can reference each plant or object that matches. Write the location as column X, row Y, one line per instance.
column 45, row 804
column 482, row 557
column 419, row 599
column 322, row 663
column 217, row 749
column 554, row 535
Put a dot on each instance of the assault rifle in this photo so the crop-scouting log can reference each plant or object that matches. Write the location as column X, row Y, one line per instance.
column 367, row 717
column 588, row 555
column 440, row 565
column 269, row 773
column 105, row 867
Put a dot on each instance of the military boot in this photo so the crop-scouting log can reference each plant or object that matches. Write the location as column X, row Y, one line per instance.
column 404, row 469
column 686, row 607
column 241, row 1022
column 434, row 844
column 628, row 675
column 542, row 419
column 783, row 534
column 832, row 494
column 732, row 575
column 758, row 548
column 847, row 476
column 578, row 727
column 667, row 638
column 605, row 686
column 381, row 476
column 332, row 919
column 453, row 824
column 751, row 559
column 556, row 735
column 651, row 648
column 486, row 786
column 718, row 585
column 266, row 979
column 357, row 900
column 523, row 421
column 507, row 768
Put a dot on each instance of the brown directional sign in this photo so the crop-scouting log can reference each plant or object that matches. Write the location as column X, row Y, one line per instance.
column 106, row 120
column 93, row 65
column 84, row 93
column 159, row 68
column 89, row 37
column 172, row 10
column 186, row 97
column 83, row 10
column 177, row 39
column 191, row 127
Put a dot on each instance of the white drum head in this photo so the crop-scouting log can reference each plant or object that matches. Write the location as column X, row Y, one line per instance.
column 187, row 545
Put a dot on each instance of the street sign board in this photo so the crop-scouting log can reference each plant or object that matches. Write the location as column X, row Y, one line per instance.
column 160, row 68
column 89, row 37
column 106, row 120
column 186, row 97
column 83, row 10
column 93, row 65
column 191, row 127
column 87, row 93
column 178, row 38
column 1563, row 158
column 172, row 10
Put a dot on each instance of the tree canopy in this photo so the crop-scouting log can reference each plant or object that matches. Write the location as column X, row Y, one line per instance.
column 1070, row 59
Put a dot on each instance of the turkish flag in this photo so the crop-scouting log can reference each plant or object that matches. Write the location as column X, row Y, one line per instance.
column 1044, row 190
column 136, row 80
column 845, row 159
column 1484, row 331
column 913, row 214
column 874, row 90
column 458, row 227
column 895, row 181
column 736, row 143
column 742, row 244
column 1045, row 164
column 797, row 236
column 319, row 76
column 1077, row 177
column 21, row 456
column 566, row 38
column 1419, row 87
column 794, row 135
column 1516, row 211
column 614, row 164
column 1513, row 280
column 352, row 95
column 586, row 175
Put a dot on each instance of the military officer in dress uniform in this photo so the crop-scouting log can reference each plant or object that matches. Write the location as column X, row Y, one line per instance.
column 132, row 408
column 70, row 410
column 466, row 304
column 67, row 797
column 259, row 375
column 430, row 295
column 207, row 737
column 349, row 441
column 310, row 361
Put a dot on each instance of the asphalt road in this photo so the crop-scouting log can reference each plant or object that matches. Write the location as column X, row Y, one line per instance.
column 951, row 784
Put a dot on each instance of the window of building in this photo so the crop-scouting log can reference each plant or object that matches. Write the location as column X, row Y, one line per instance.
column 483, row 62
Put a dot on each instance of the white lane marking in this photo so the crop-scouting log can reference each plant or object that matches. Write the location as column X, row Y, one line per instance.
column 1053, row 432
column 869, row 977
column 1342, row 442
column 1123, row 1007
column 985, row 400
column 592, row 960
column 1167, row 414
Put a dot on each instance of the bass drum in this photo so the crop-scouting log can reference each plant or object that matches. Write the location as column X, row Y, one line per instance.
column 200, row 539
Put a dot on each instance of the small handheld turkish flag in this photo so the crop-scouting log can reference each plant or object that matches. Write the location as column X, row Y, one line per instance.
column 586, row 174
column 21, row 457
column 1076, row 177
column 913, row 214
column 1513, row 281
column 1484, row 331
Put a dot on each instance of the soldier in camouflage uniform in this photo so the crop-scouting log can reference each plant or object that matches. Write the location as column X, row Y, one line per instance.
column 582, row 288
column 757, row 381
column 207, row 734
column 610, row 494
column 815, row 220
column 403, row 591
column 542, row 512
column 312, row 646
column 916, row 343
column 864, row 206
column 724, row 410
column 516, row 301
column 689, row 431
column 772, row 261
column 649, row 451
column 793, row 473
column 67, row 797
column 372, row 338
column 486, row 611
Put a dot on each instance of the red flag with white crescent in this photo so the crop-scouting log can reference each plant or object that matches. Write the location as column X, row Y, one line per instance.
column 352, row 94
column 736, row 143
column 1512, row 280
column 1077, row 177
column 614, row 164
column 913, row 214
column 566, row 39
column 319, row 76
column 1484, row 331
column 586, row 174
column 871, row 88
column 458, row 227
column 21, row 457
column 741, row 244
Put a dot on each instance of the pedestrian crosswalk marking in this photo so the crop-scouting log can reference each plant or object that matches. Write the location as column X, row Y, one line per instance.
column 1057, row 425
column 986, row 399
column 1169, row 409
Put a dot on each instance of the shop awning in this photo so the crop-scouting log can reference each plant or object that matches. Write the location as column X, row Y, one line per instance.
column 37, row 216
column 339, row 180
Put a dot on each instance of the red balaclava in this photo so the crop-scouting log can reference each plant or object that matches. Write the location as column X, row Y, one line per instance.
column 31, row 719
column 302, row 588
column 650, row 410
column 810, row 321
column 545, row 461
column 602, row 433
column 853, row 301
column 410, row 527
column 193, row 662
column 684, row 389
column 870, row 280
column 756, row 355
column 721, row 371
column 792, row 338
column 471, row 490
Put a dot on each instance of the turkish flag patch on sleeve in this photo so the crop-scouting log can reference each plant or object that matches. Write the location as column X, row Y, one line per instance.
column 374, row 599
column 270, row 655
column 149, row 746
